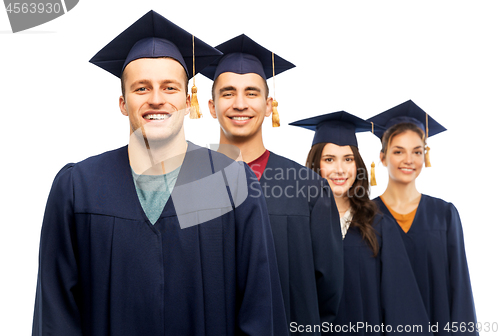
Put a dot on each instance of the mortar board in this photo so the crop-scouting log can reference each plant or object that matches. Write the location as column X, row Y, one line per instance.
column 154, row 36
column 339, row 128
column 407, row 112
column 242, row 55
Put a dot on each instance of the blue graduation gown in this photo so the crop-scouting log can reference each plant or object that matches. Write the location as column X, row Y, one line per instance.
column 381, row 292
column 435, row 246
column 104, row 269
column 306, row 230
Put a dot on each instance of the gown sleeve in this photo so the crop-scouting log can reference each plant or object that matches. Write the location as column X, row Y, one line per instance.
column 328, row 254
column 462, row 302
column 261, row 311
column 57, row 303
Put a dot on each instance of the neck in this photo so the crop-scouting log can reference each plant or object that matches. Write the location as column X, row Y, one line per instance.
column 400, row 193
column 251, row 148
column 343, row 204
column 156, row 157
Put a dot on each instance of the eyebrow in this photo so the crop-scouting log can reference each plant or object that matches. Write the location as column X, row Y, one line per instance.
column 399, row 147
column 232, row 88
column 331, row 155
column 148, row 82
column 140, row 81
column 168, row 81
column 252, row 88
column 226, row 88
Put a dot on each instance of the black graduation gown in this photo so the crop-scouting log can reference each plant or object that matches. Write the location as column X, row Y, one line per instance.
column 380, row 292
column 105, row 270
column 306, row 230
column 435, row 246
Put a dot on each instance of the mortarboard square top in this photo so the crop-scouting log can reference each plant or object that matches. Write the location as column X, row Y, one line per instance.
column 154, row 36
column 339, row 128
column 403, row 113
column 242, row 55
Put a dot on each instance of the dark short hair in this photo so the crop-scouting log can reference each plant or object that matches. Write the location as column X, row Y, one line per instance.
column 122, row 78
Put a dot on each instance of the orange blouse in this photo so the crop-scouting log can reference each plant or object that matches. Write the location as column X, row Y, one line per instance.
column 405, row 220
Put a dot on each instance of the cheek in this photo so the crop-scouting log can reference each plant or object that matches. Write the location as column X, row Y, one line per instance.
column 419, row 162
column 352, row 172
column 324, row 169
column 392, row 162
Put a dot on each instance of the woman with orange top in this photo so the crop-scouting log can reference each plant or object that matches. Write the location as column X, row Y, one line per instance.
column 430, row 227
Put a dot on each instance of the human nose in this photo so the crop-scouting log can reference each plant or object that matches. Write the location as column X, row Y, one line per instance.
column 239, row 102
column 156, row 98
column 409, row 158
column 338, row 168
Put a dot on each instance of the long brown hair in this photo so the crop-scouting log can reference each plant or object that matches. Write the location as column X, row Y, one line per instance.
column 359, row 194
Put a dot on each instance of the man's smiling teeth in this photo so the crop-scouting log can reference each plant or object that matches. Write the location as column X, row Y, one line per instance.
column 240, row 118
column 156, row 116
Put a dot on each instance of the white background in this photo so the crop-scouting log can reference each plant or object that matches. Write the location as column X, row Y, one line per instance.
column 359, row 56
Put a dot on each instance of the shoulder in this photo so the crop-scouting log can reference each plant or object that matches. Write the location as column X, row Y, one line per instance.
column 437, row 204
column 90, row 165
column 98, row 162
column 280, row 168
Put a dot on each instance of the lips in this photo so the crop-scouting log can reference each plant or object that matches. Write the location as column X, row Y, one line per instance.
column 240, row 118
column 156, row 116
column 407, row 170
column 339, row 181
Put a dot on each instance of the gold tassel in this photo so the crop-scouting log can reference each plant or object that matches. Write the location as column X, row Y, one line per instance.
column 373, row 181
column 427, row 149
column 427, row 158
column 195, row 107
column 195, row 112
column 276, row 116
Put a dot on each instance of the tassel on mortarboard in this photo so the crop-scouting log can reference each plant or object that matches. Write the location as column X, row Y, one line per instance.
column 373, row 180
column 427, row 148
column 195, row 112
column 276, row 116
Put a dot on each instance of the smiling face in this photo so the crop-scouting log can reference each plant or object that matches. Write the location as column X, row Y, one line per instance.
column 155, row 98
column 404, row 157
column 337, row 165
column 240, row 104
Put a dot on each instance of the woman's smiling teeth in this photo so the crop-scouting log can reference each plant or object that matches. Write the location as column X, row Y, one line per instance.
column 339, row 180
column 156, row 116
column 408, row 170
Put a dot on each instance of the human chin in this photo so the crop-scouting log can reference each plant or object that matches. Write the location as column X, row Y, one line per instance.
column 338, row 190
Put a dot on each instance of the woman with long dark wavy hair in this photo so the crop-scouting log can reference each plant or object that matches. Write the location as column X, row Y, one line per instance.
column 380, row 290
column 430, row 227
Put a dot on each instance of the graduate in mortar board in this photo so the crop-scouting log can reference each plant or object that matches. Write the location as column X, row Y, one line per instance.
column 160, row 237
column 430, row 227
column 303, row 215
column 379, row 285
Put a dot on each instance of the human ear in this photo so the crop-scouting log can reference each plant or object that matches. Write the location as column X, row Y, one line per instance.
column 123, row 106
column 211, row 107
column 269, row 106
column 383, row 159
column 188, row 105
